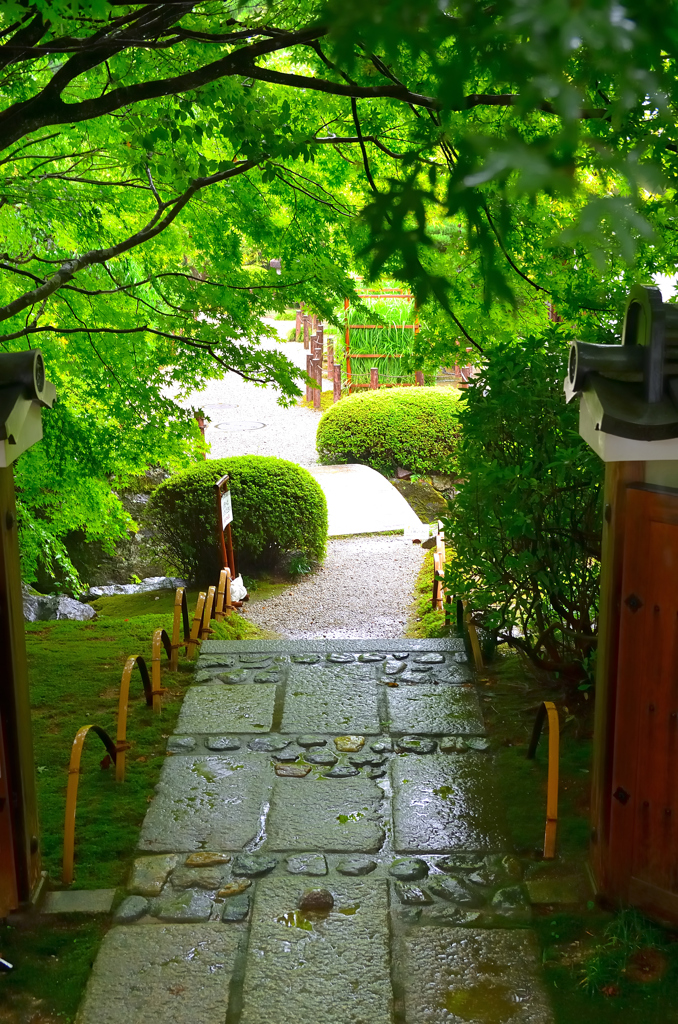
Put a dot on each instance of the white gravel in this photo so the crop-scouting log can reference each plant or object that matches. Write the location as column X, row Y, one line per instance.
column 363, row 591
column 246, row 419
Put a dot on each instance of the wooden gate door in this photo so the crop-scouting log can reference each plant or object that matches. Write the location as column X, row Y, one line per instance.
column 643, row 852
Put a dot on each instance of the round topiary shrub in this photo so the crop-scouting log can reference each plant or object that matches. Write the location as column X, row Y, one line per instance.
column 411, row 427
column 277, row 507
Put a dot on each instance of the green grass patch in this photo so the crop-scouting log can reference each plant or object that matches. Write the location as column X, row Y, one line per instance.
column 424, row 621
column 52, row 959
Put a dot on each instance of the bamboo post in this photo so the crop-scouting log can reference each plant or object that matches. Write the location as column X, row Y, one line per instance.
column 305, row 322
column 318, row 392
column 194, row 640
column 309, row 373
column 337, row 382
column 207, row 613
column 374, row 378
column 330, row 360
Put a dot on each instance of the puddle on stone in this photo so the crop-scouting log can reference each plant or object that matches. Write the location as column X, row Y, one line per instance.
column 490, row 1003
column 295, row 919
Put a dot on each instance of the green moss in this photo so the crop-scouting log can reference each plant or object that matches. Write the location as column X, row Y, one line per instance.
column 277, row 507
column 411, row 427
column 424, row 620
column 52, row 960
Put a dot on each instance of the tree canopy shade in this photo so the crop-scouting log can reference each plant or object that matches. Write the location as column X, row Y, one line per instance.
column 511, row 161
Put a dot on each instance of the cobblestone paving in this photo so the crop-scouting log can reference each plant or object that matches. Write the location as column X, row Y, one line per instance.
column 325, row 846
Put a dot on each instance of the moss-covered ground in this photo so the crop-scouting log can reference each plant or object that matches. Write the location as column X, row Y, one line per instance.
column 75, row 670
column 425, row 621
column 598, row 966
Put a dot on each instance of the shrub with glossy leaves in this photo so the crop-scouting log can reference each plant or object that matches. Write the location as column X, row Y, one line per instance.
column 411, row 427
column 277, row 507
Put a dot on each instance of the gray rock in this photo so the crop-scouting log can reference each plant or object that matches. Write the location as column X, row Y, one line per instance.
column 360, row 760
column 236, row 676
column 189, row 906
column 206, row 802
column 150, row 583
column 47, row 608
column 267, row 677
column 376, row 773
column 511, row 896
column 384, row 746
column 416, row 745
column 317, row 814
column 455, row 974
column 131, row 909
column 307, row 864
column 400, row 655
column 409, row 870
column 323, row 757
column 430, row 658
column 446, row 803
column 215, row 661
column 411, row 894
column 477, row 743
column 371, row 657
column 198, row 878
column 247, row 708
column 432, row 710
column 181, row 744
column 176, row 974
column 394, row 668
column 305, row 659
column 336, row 972
column 207, row 675
column 252, row 865
column 338, row 658
column 311, row 741
column 78, row 901
column 268, row 744
column 454, row 891
column 290, row 753
column 356, row 866
column 236, row 908
column 460, row 862
column 222, row 743
column 342, row 771
column 453, row 745
column 149, row 874
column 319, row 701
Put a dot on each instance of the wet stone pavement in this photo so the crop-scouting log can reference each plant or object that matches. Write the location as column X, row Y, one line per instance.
column 325, row 846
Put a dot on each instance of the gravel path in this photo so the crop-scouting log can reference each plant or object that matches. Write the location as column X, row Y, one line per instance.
column 362, row 591
column 366, row 584
column 247, row 420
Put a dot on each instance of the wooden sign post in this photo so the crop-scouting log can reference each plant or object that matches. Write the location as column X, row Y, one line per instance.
column 629, row 416
column 23, row 392
column 224, row 520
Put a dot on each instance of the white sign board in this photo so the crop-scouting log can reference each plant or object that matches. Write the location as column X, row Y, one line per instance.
column 226, row 509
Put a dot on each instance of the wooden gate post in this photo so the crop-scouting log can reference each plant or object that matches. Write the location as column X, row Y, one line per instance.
column 24, row 391
column 633, row 427
column 336, row 396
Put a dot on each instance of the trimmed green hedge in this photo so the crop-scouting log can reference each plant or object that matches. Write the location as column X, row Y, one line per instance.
column 411, row 427
column 277, row 507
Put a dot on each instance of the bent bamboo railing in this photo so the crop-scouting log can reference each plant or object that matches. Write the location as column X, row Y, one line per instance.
column 211, row 605
column 548, row 710
column 72, row 792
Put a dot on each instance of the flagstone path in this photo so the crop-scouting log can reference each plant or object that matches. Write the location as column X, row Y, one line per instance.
column 325, row 846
